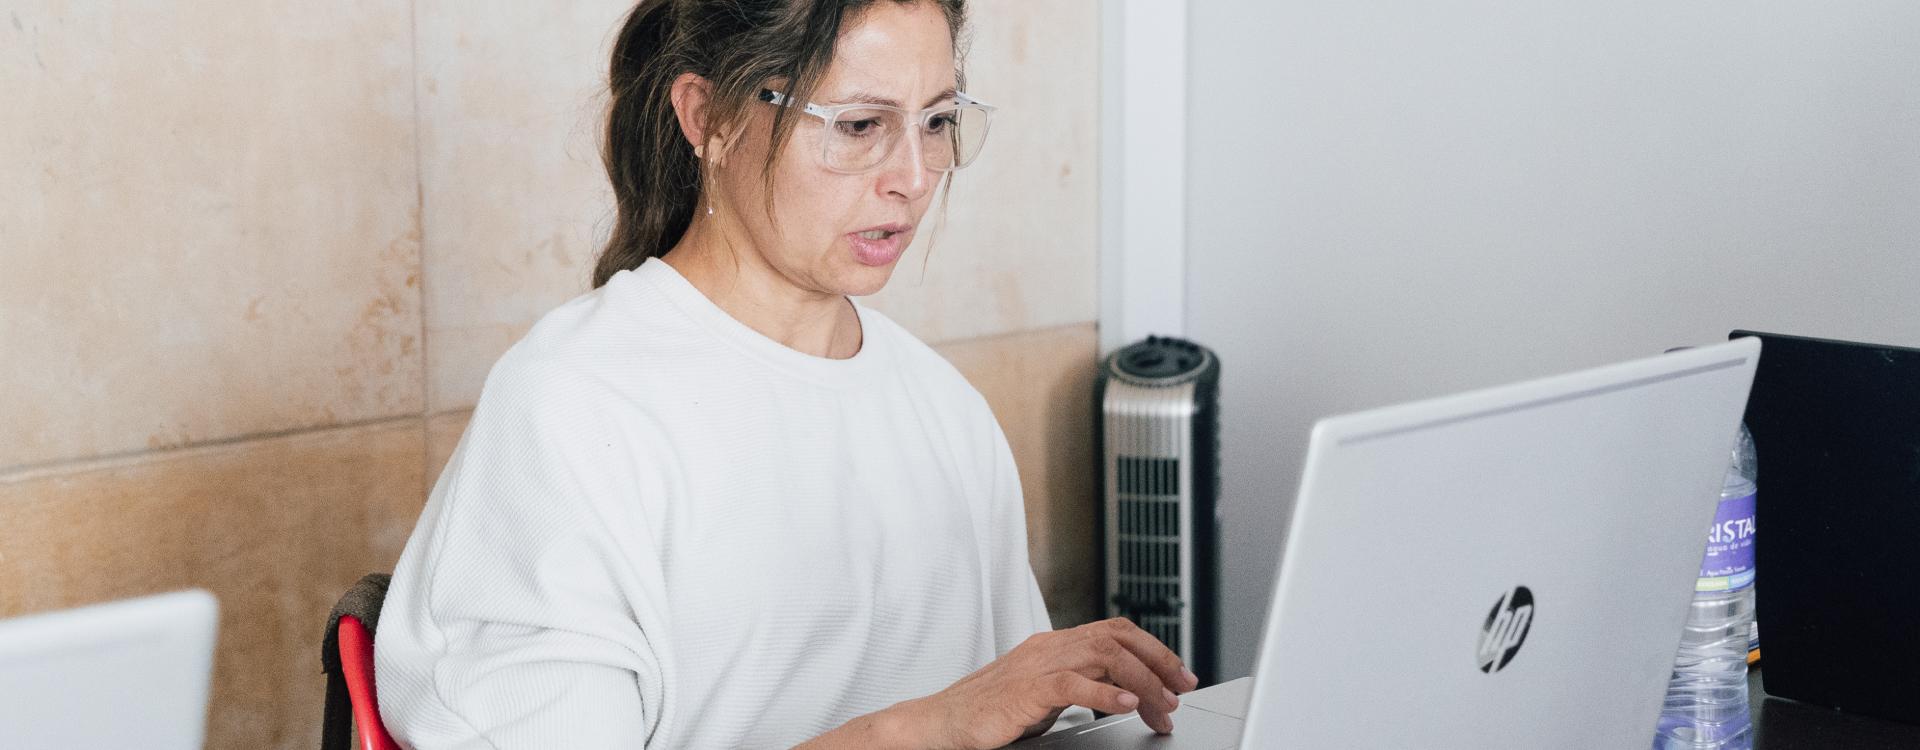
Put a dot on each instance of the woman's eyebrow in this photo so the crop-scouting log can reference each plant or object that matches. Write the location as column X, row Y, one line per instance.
column 861, row 97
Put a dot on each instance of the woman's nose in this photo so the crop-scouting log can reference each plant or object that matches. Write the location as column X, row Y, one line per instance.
column 905, row 171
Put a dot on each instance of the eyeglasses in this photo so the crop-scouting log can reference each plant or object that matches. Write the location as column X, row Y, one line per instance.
column 860, row 137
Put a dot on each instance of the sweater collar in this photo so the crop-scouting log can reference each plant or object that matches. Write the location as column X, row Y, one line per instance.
column 837, row 372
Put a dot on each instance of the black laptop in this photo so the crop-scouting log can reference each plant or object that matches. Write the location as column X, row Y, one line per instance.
column 1837, row 428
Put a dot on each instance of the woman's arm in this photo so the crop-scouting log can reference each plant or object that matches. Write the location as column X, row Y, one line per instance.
column 527, row 610
column 886, row 729
column 1110, row 666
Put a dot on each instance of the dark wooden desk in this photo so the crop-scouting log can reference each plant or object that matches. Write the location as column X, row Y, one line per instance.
column 1780, row 724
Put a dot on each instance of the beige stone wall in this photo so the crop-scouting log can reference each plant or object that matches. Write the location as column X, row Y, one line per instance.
column 256, row 258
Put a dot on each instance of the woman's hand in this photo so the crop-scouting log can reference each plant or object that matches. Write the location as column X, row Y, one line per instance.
column 1110, row 666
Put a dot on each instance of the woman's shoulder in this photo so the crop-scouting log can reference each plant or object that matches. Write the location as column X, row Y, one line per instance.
column 925, row 364
column 613, row 337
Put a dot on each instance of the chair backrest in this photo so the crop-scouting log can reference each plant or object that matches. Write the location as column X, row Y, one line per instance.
column 356, row 664
column 346, row 655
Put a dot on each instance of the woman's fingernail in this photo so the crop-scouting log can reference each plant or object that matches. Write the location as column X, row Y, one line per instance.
column 1129, row 700
column 1192, row 679
column 1171, row 701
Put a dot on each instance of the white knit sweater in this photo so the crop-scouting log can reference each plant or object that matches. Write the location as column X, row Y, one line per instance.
column 663, row 529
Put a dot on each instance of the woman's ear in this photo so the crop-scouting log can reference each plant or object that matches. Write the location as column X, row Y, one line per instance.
column 691, row 94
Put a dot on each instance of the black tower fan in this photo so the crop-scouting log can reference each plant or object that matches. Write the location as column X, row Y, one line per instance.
column 1160, row 447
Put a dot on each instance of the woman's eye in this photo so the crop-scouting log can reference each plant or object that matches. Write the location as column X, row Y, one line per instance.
column 940, row 123
column 858, row 127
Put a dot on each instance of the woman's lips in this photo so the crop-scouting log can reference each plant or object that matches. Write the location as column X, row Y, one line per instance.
column 881, row 250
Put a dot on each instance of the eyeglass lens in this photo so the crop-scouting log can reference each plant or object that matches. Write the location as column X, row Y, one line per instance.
column 860, row 139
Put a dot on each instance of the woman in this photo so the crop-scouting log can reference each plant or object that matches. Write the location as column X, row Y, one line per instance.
column 716, row 503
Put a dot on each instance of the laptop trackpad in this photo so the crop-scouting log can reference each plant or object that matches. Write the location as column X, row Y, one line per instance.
column 1227, row 698
column 1193, row 729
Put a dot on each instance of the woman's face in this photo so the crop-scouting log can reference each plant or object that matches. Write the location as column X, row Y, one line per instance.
column 895, row 54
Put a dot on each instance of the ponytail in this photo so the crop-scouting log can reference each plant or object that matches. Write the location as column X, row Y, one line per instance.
column 655, row 176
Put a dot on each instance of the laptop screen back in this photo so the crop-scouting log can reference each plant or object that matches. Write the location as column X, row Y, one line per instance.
column 1504, row 568
column 132, row 673
column 1837, row 429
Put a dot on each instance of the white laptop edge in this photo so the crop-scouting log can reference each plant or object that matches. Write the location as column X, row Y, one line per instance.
column 1332, row 431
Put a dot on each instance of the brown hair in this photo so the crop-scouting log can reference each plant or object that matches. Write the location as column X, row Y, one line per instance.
column 737, row 45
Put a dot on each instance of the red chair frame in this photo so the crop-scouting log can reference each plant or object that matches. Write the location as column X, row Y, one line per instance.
column 356, row 662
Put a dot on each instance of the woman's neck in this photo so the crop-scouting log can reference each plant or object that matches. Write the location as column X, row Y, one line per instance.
column 739, row 281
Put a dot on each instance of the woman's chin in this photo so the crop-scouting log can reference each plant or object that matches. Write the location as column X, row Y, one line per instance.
column 864, row 280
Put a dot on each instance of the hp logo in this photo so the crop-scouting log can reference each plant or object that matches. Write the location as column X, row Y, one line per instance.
column 1505, row 629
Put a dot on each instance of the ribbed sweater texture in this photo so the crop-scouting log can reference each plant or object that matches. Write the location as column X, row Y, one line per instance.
column 662, row 529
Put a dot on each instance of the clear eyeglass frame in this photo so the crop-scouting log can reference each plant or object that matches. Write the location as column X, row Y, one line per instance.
column 969, row 118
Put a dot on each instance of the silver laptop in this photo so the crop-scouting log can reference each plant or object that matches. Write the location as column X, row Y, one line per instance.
column 1504, row 568
column 131, row 673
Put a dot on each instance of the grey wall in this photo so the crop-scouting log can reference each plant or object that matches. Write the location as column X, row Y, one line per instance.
column 1396, row 199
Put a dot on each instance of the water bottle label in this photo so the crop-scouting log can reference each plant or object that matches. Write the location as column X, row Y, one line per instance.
column 1728, row 565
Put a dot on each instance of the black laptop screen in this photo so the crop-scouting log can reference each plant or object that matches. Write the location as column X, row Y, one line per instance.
column 1837, row 429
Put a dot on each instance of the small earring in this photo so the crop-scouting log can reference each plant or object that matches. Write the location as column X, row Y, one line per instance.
column 709, row 210
column 699, row 152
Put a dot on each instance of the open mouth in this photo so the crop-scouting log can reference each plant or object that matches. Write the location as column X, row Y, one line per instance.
column 879, row 245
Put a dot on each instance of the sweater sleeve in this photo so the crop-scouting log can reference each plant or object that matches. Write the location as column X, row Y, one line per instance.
column 1020, row 609
column 540, row 583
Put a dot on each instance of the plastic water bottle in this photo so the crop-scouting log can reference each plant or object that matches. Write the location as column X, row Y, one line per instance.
column 1706, row 705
